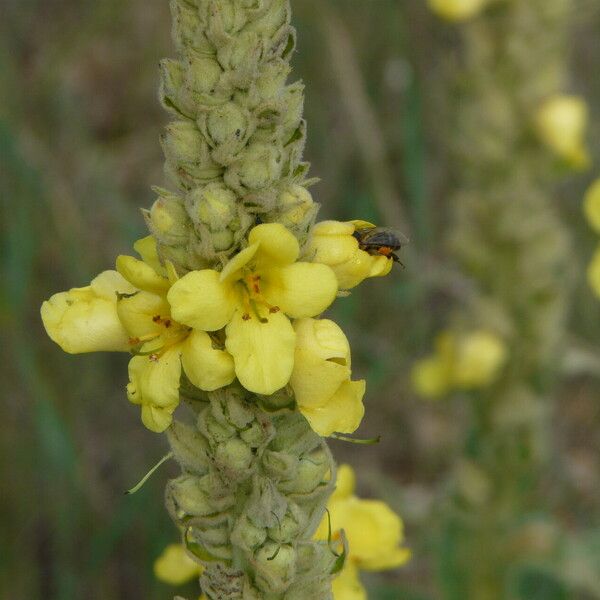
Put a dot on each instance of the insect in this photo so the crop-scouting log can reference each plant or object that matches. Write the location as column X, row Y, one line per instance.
column 379, row 241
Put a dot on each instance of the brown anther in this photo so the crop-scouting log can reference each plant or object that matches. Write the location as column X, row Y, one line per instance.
column 274, row 309
column 246, row 317
column 167, row 323
column 134, row 341
column 154, row 357
column 256, row 288
column 156, row 318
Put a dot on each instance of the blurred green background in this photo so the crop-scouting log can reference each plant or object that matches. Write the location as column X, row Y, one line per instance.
column 79, row 127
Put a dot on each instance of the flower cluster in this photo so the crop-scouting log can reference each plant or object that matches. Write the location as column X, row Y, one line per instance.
column 253, row 321
column 591, row 207
column 464, row 362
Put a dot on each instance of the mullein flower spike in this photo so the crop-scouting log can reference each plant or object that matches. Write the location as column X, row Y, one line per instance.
column 221, row 313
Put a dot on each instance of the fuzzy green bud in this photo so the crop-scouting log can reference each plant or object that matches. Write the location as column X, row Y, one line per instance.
column 259, row 167
column 296, row 208
column 275, row 567
column 188, row 156
column 234, row 459
column 168, row 220
column 247, row 535
column 214, row 205
column 186, row 497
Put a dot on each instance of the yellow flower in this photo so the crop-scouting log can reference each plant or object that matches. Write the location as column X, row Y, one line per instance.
column 333, row 244
column 479, row 357
column 175, row 567
column 128, row 310
column 324, row 393
column 561, row 123
column 85, row 319
column 467, row 361
column 431, row 377
column 253, row 297
column 591, row 205
column 593, row 272
column 374, row 533
column 456, row 10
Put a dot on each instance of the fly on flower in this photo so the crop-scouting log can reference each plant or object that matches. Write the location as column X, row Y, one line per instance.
column 379, row 241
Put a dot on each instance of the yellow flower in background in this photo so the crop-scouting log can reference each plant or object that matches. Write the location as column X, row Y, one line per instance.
column 324, row 393
column 467, row 361
column 128, row 310
column 333, row 244
column 479, row 356
column 591, row 205
column 175, row 567
column 593, row 272
column 374, row 533
column 456, row 10
column 561, row 123
column 254, row 297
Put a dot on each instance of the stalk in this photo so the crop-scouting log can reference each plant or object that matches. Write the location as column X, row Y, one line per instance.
column 255, row 478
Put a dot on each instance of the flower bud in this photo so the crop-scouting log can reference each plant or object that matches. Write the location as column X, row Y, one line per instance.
column 271, row 79
column 188, row 160
column 297, row 208
column 185, row 497
column 275, row 567
column 234, row 459
column 188, row 29
column 202, row 74
column 189, row 447
column 259, row 167
column 247, row 535
column 168, row 219
column 227, row 123
column 311, row 473
column 171, row 80
column 289, row 527
column 214, row 205
column 280, row 465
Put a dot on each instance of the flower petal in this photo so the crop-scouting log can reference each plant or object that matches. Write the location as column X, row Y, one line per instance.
column 347, row 585
column 146, row 248
column 154, row 384
column 374, row 533
column 343, row 413
column 200, row 300
column 380, row 266
column 175, row 567
column 345, row 483
column 110, row 283
column 263, row 352
column 278, row 246
column 141, row 275
column 321, row 362
column 315, row 380
column 301, row 289
column 231, row 272
column 80, row 321
column 206, row 367
column 139, row 313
